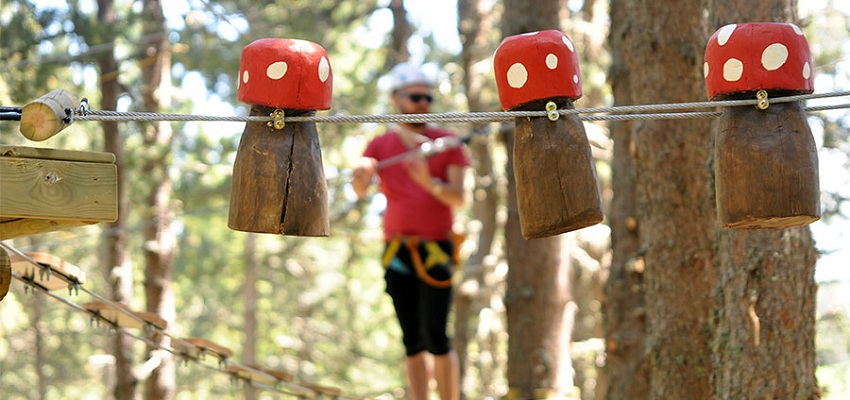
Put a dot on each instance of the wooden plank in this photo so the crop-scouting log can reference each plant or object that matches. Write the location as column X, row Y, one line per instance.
column 252, row 374
column 330, row 391
column 62, row 271
column 198, row 345
column 11, row 228
column 119, row 318
column 56, row 154
column 36, row 188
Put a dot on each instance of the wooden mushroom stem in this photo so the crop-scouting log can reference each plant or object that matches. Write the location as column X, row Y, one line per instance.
column 766, row 168
column 556, row 183
column 278, row 180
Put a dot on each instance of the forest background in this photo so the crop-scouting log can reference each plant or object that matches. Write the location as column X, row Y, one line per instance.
column 315, row 306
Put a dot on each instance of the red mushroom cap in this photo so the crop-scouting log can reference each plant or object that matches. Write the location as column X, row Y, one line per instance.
column 757, row 56
column 285, row 73
column 536, row 66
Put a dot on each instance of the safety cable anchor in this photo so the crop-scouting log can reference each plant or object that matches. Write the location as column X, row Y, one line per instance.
column 763, row 102
column 277, row 121
column 84, row 107
column 552, row 111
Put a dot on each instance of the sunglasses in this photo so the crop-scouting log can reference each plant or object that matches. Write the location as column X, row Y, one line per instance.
column 417, row 97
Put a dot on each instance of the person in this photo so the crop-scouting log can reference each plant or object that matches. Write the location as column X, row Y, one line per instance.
column 420, row 254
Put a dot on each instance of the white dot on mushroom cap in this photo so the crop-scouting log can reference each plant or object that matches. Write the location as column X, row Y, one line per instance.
column 807, row 70
column 568, row 43
column 733, row 69
column 725, row 33
column 530, row 33
column 517, row 76
column 575, row 78
column 797, row 29
column 705, row 69
column 551, row 61
column 324, row 69
column 245, row 76
column 277, row 70
column 774, row 56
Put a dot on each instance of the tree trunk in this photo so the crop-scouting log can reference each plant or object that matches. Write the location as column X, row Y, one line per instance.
column 400, row 35
column 764, row 341
column 159, row 239
column 42, row 380
column 626, row 366
column 537, row 291
column 661, row 46
column 117, row 269
column 249, row 322
column 473, row 294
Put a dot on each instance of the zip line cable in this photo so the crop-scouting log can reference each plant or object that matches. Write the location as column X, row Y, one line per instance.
column 75, row 285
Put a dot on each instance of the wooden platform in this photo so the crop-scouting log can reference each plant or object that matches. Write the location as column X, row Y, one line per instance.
column 62, row 274
column 122, row 319
column 44, row 190
column 197, row 347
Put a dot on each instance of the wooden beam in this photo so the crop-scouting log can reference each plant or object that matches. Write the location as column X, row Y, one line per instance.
column 56, row 154
column 11, row 228
column 49, row 189
column 47, row 115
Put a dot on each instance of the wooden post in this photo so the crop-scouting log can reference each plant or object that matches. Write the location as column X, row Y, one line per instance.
column 47, row 115
column 765, row 160
column 5, row 273
column 278, row 180
column 766, row 168
column 556, row 183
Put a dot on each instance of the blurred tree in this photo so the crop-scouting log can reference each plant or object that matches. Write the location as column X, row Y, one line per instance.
column 537, row 296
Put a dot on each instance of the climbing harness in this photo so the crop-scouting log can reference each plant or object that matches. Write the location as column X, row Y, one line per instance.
column 434, row 256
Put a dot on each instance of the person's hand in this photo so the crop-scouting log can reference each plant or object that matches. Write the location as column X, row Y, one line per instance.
column 417, row 168
column 362, row 174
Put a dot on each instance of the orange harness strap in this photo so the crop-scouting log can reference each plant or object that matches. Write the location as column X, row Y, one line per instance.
column 412, row 244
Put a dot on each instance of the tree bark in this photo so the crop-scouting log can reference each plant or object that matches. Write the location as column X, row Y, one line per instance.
column 159, row 238
column 117, row 269
column 400, row 35
column 626, row 366
column 472, row 295
column 249, row 292
column 764, row 341
column 661, row 46
column 537, row 291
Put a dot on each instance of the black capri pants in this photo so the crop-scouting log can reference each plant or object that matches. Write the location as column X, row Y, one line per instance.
column 422, row 310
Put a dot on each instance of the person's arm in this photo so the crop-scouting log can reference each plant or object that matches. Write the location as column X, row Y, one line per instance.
column 363, row 174
column 451, row 192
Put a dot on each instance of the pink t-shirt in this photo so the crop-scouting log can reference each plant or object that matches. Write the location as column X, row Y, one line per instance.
column 411, row 210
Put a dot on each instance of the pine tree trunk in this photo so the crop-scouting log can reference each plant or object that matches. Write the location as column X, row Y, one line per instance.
column 627, row 367
column 116, row 264
column 537, row 291
column 473, row 294
column 159, row 238
column 249, row 291
column 764, row 341
column 661, row 46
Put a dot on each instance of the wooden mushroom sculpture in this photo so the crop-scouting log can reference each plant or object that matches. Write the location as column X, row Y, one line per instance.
column 278, row 181
column 556, row 184
column 765, row 160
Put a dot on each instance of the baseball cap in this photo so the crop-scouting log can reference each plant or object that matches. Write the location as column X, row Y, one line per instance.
column 406, row 74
